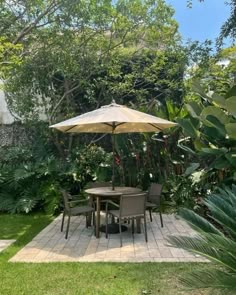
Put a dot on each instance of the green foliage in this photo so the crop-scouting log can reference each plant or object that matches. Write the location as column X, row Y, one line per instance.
column 13, row 53
column 29, row 181
column 216, row 72
column 110, row 48
column 124, row 50
column 216, row 242
column 187, row 189
column 228, row 29
column 211, row 125
column 142, row 158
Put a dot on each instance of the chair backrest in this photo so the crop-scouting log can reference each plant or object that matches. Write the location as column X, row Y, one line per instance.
column 154, row 193
column 132, row 205
column 99, row 184
column 66, row 198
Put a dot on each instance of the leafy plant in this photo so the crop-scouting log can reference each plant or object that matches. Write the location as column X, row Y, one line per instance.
column 30, row 182
column 211, row 125
column 216, row 240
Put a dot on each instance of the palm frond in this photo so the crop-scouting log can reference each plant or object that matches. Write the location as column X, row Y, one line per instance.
column 221, row 242
column 212, row 243
column 201, row 246
column 213, row 279
column 234, row 189
column 222, row 212
column 197, row 222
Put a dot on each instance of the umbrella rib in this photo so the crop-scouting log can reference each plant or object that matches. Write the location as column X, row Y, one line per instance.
column 112, row 125
column 158, row 128
column 70, row 128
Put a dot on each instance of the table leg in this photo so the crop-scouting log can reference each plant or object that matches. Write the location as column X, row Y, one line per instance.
column 90, row 214
column 98, row 218
column 138, row 225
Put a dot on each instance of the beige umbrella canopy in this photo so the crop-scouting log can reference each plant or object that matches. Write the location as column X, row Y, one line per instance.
column 114, row 119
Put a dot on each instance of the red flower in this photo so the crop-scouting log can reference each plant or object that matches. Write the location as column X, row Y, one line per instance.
column 117, row 160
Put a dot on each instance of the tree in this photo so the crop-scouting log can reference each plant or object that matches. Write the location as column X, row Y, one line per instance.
column 79, row 76
column 218, row 73
column 228, row 29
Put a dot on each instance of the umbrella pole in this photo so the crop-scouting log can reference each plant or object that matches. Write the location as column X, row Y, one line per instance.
column 113, row 154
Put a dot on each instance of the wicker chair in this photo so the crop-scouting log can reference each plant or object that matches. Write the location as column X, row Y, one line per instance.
column 154, row 200
column 98, row 184
column 131, row 206
column 69, row 210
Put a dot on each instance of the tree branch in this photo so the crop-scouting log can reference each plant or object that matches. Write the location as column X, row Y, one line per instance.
column 62, row 98
column 52, row 6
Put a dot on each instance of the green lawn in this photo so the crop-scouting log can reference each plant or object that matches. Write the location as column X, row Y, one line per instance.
column 81, row 278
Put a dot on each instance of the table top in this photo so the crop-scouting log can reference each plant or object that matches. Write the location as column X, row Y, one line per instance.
column 107, row 191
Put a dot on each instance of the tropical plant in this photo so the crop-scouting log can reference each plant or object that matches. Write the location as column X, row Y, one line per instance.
column 30, row 180
column 215, row 240
column 211, row 126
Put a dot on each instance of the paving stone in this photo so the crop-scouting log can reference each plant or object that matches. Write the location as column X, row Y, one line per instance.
column 176, row 252
column 173, row 259
column 154, row 253
column 50, row 244
column 165, row 252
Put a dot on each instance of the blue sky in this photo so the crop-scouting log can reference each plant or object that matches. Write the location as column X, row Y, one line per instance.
column 202, row 21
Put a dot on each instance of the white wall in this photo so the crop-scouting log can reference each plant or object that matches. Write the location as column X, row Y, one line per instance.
column 5, row 115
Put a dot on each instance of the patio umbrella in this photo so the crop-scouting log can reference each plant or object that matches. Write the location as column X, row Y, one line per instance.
column 114, row 119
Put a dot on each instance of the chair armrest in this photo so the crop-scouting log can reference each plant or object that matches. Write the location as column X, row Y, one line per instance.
column 111, row 203
column 75, row 196
column 77, row 201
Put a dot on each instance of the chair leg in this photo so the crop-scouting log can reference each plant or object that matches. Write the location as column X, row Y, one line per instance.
column 93, row 217
column 94, row 223
column 132, row 225
column 120, row 232
column 62, row 222
column 106, row 225
column 86, row 220
column 161, row 219
column 67, row 228
column 150, row 213
column 145, row 228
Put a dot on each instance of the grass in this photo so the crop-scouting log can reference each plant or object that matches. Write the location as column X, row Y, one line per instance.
column 81, row 278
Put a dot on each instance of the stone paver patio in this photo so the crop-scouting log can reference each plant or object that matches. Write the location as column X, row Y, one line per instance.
column 50, row 244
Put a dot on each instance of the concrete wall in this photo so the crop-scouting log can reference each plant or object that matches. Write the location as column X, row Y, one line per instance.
column 13, row 135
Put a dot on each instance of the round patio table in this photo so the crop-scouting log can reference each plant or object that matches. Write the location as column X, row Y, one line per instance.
column 107, row 193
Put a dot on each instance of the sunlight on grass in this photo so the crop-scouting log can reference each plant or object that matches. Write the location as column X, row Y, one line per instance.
column 81, row 278
column 15, row 226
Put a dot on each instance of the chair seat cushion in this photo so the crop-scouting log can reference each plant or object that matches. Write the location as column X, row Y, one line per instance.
column 116, row 213
column 151, row 205
column 81, row 210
